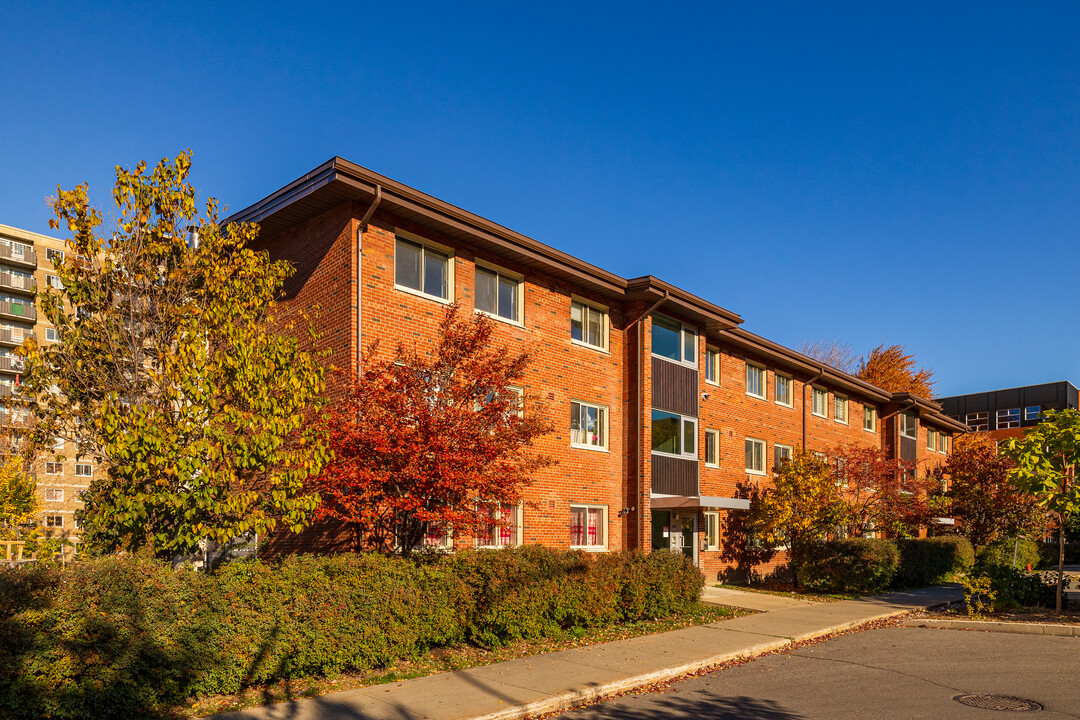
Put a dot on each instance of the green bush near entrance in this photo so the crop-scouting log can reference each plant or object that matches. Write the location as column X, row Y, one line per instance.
column 932, row 561
column 132, row 637
column 855, row 565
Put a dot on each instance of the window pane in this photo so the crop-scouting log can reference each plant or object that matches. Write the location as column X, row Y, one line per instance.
column 689, row 346
column 595, row 535
column 689, row 437
column 485, row 290
column 407, row 264
column 710, row 447
column 754, row 384
column 575, row 423
column 783, row 389
column 577, row 526
column 577, row 323
column 665, row 432
column 750, row 455
column 594, row 326
column 665, row 338
column 435, row 273
column 508, row 298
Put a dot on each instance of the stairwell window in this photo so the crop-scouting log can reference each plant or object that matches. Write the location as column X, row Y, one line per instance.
column 588, row 325
column 674, row 341
column 423, row 269
column 908, row 425
column 674, row 434
column 54, row 521
column 54, row 494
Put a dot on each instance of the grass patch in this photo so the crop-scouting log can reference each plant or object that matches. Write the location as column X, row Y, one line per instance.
column 788, row 590
column 453, row 658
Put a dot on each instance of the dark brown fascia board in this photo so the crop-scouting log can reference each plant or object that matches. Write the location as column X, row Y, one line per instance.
column 679, row 301
column 797, row 361
column 364, row 182
column 929, row 409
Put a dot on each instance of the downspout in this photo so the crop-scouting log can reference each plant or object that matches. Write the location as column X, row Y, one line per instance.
column 359, row 274
column 805, row 385
column 640, row 411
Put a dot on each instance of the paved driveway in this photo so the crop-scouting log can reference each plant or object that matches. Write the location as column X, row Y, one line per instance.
column 901, row 673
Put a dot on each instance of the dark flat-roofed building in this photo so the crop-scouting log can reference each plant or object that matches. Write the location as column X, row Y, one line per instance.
column 1007, row 413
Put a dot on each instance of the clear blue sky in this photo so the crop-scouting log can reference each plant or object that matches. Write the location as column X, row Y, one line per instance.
column 907, row 174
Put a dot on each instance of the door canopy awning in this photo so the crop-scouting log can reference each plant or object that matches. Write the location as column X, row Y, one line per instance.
column 673, row 502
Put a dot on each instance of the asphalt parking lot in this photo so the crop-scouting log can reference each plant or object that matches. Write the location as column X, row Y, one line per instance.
column 901, row 673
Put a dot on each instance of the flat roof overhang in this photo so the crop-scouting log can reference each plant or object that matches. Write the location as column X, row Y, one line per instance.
column 678, row 502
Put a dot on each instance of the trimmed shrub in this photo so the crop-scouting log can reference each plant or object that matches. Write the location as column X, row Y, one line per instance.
column 932, row 561
column 855, row 565
column 1001, row 552
column 131, row 637
column 1014, row 589
column 1049, row 553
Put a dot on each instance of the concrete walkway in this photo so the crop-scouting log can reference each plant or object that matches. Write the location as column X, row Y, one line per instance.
column 762, row 602
column 561, row 680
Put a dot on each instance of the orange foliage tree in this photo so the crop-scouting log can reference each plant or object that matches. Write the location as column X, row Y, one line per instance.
column 431, row 444
column 894, row 370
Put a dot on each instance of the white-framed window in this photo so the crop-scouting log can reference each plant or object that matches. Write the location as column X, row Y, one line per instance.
column 784, row 389
column 54, row 468
column 931, row 439
column 712, row 530
column 84, row 469
column 588, row 425
column 588, row 324
column 1008, row 418
column 504, row 530
column 840, row 409
column 53, row 281
column 820, row 406
column 755, row 380
column 437, row 537
column 57, row 444
column 755, row 456
column 869, row 418
column 588, row 526
column 56, row 257
column 909, row 425
column 782, row 454
column 978, row 420
column 54, row 521
column 943, row 442
column 498, row 293
column 51, row 335
column 712, row 366
column 674, row 341
column 712, row 448
column 423, row 268
column 1032, row 412
column 54, row 494
column 674, row 434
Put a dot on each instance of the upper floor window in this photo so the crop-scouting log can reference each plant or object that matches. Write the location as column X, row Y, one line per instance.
column 54, row 521
column 674, row 434
column 931, row 439
column 755, row 456
column 54, row 468
column 588, row 325
column 55, row 256
column 54, row 494
column 755, row 380
column 674, row 341
column 978, row 420
column 782, row 454
column 712, row 365
column 869, row 418
column 1008, row 418
column 908, row 425
column 498, row 293
column 422, row 268
column 712, row 448
column 84, row 469
column 588, row 425
column 1031, row 412
column 840, row 409
column 821, row 402
column 51, row 335
column 783, row 389
column 943, row 442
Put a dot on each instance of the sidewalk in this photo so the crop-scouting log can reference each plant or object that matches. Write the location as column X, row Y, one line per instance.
column 561, row 680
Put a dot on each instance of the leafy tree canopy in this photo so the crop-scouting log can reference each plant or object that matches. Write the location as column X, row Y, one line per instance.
column 173, row 369
column 892, row 369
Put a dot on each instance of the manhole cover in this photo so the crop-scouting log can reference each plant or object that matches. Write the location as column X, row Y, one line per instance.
column 998, row 702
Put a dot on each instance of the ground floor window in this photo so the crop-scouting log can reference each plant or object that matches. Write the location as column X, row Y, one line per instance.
column 588, row 526
column 504, row 528
column 712, row 531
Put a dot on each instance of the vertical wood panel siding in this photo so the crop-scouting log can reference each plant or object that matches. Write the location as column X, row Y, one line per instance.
column 909, row 449
column 674, row 387
column 674, row 476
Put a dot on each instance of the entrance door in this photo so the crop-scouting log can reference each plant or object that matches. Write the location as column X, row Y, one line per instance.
column 661, row 529
column 688, row 535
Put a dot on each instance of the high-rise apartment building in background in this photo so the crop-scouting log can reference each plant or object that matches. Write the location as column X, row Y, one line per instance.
column 27, row 263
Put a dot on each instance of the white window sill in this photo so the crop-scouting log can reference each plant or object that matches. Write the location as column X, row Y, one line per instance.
column 841, row 422
column 422, row 294
column 714, row 383
column 591, row 448
column 582, row 343
column 756, row 397
column 756, row 472
column 712, row 465
column 590, row 548
column 790, row 406
column 823, row 417
column 499, row 318
column 869, row 430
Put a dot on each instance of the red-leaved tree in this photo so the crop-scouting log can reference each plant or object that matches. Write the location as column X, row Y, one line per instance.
column 883, row 494
column 432, row 443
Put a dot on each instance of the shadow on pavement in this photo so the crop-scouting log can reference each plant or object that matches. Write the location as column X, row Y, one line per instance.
column 709, row 707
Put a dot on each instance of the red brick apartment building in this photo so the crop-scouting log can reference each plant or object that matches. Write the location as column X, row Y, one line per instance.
column 664, row 405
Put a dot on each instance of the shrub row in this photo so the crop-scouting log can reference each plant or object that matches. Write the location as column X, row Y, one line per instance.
column 859, row 565
column 131, row 637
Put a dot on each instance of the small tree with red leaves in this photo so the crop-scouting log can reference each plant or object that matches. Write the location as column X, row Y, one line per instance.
column 883, row 494
column 430, row 443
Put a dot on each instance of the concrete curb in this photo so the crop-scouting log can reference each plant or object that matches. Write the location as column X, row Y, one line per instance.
column 995, row 626
column 568, row 701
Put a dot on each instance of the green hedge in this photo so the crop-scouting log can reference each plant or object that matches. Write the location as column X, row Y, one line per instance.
column 855, row 565
column 1000, row 553
column 932, row 561
column 131, row 637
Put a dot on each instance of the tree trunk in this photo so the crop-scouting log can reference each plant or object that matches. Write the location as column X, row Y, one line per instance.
column 1061, row 560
